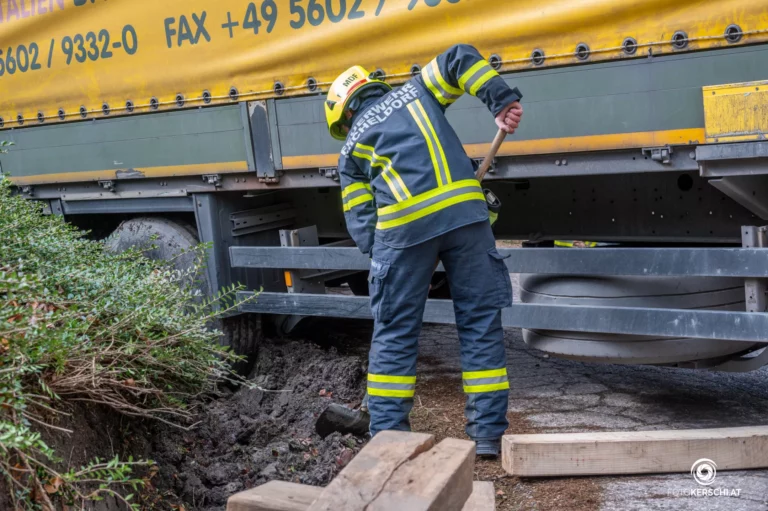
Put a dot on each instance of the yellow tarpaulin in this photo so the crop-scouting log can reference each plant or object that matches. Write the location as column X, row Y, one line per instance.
column 64, row 59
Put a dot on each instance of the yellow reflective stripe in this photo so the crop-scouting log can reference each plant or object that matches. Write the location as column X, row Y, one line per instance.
column 447, row 86
column 472, row 375
column 435, row 91
column 437, row 141
column 492, row 387
column 400, row 182
column 383, row 166
column 384, row 378
column 353, row 188
column 429, row 144
column 481, row 81
column 392, row 187
column 390, row 392
column 573, row 244
column 357, row 201
column 394, row 208
column 431, row 209
column 463, row 79
column 387, row 168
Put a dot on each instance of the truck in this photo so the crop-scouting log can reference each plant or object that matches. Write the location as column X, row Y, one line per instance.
column 637, row 182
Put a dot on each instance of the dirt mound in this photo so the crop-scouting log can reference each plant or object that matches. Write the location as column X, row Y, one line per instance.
column 252, row 436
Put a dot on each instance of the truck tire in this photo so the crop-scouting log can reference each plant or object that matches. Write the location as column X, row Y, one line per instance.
column 243, row 333
column 168, row 238
column 651, row 292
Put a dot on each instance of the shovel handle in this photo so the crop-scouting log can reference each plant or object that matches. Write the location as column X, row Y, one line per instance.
column 495, row 145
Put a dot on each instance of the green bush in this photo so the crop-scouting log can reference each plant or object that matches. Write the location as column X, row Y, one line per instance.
column 78, row 323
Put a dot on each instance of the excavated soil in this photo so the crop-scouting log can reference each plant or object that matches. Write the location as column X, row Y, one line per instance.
column 254, row 435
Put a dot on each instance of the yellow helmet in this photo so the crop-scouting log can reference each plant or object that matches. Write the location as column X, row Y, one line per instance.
column 344, row 89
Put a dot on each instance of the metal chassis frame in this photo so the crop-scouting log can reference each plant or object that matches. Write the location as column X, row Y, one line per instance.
column 750, row 263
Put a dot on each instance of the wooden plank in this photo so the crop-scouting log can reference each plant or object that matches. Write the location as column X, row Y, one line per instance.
column 634, row 452
column 275, row 496
column 365, row 476
column 437, row 480
column 483, row 497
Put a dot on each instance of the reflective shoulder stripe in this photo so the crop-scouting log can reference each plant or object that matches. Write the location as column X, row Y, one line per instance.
column 491, row 380
column 430, row 202
column 416, row 117
column 353, row 188
column 477, row 76
column 446, row 171
column 440, row 163
column 390, row 175
column 391, row 386
column 445, row 93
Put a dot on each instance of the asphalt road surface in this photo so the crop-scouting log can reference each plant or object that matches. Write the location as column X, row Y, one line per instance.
column 555, row 395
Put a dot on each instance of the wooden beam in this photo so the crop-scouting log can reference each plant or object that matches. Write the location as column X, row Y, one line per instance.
column 367, row 474
column 275, row 496
column 437, row 480
column 483, row 497
column 634, row 452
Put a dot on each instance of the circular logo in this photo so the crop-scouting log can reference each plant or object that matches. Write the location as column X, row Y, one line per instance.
column 704, row 471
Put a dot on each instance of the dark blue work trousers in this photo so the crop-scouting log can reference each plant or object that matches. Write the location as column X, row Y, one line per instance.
column 480, row 287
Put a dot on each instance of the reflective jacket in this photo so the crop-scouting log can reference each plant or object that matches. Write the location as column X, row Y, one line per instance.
column 405, row 176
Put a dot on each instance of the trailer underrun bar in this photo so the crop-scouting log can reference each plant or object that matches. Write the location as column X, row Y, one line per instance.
column 667, row 262
column 700, row 324
column 749, row 263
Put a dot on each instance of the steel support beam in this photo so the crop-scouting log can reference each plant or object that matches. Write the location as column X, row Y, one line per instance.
column 591, row 163
column 701, row 324
column 683, row 262
column 749, row 191
column 153, row 205
column 755, row 289
column 741, row 159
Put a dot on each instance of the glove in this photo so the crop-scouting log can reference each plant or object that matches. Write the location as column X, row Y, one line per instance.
column 494, row 205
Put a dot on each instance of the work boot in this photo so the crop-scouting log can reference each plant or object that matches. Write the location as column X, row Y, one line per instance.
column 488, row 449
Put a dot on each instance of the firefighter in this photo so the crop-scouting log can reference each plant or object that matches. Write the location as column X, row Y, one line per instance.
column 410, row 198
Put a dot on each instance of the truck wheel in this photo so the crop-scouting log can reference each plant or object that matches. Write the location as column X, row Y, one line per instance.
column 168, row 239
column 243, row 333
column 358, row 283
column 651, row 292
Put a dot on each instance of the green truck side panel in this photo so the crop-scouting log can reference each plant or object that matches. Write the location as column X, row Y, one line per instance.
column 212, row 135
column 649, row 94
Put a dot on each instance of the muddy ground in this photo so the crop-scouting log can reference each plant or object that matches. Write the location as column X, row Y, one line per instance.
column 547, row 395
column 249, row 436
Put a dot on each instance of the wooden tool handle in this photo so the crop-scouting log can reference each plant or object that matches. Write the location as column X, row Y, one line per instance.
column 480, row 174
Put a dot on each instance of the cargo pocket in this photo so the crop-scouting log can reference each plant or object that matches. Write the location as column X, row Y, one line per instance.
column 502, row 285
column 377, row 285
